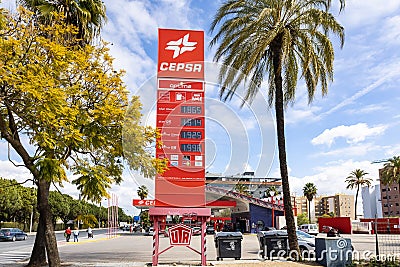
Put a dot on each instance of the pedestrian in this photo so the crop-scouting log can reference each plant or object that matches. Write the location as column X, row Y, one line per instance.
column 67, row 234
column 76, row 234
column 89, row 232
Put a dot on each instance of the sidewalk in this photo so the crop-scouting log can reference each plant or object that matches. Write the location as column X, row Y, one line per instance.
column 236, row 263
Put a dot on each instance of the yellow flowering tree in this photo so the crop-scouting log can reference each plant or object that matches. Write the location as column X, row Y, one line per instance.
column 62, row 109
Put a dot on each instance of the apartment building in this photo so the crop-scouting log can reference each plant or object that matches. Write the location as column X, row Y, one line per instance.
column 339, row 205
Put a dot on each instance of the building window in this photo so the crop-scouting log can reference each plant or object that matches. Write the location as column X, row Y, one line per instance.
column 395, row 188
column 383, row 189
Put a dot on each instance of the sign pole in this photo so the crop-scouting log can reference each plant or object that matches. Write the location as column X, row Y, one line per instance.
column 155, row 241
column 203, row 241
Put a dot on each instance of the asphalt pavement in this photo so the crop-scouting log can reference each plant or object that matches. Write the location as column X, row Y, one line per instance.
column 135, row 249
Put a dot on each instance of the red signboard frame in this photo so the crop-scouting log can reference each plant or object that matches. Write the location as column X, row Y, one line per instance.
column 180, row 118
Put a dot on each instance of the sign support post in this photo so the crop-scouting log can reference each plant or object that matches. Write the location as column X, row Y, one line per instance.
column 180, row 190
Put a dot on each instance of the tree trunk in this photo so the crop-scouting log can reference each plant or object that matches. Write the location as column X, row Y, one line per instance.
column 280, row 125
column 355, row 210
column 45, row 237
column 38, row 256
column 309, row 211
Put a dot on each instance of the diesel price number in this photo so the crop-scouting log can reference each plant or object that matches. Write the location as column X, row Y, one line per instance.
column 191, row 109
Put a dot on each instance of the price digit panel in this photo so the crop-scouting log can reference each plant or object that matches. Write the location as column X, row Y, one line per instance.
column 191, row 135
column 191, row 110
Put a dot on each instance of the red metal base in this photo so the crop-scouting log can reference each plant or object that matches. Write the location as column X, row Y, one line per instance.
column 158, row 214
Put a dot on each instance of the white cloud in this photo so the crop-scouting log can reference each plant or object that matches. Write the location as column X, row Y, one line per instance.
column 353, row 134
column 368, row 109
column 351, row 151
column 390, row 31
column 366, row 12
column 10, row 171
column 333, row 173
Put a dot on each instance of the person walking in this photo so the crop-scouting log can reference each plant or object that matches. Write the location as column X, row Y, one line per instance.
column 67, row 234
column 89, row 232
column 76, row 234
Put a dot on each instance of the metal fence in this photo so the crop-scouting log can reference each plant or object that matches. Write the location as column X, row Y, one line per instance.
column 387, row 238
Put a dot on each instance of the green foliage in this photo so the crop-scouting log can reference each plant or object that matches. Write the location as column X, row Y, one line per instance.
column 143, row 192
column 302, row 219
column 88, row 220
column 17, row 202
column 271, row 189
column 88, row 16
column 242, row 189
column 282, row 41
column 71, row 104
column 145, row 219
column 391, row 171
column 252, row 32
column 310, row 191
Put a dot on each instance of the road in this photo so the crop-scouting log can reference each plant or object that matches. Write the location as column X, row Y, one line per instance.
column 136, row 250
column 19, row 250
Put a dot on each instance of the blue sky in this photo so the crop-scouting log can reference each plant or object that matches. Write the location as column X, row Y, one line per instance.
column 355, row 124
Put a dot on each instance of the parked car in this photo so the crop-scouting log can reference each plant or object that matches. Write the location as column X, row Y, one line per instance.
column 210, row 230
column 311, row 229
column 326, row 229
column 306, row 242
column 196, row 230
column 150, row 231
column 12, row 234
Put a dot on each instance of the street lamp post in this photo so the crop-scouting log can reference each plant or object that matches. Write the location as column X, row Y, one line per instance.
column 272, row 193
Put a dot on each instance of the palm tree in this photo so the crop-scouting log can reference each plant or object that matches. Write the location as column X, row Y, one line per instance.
column 309, row 191
column 278, row 39
column 357, row 179
column 242, row 189
column 142, row 192
column 87, row 15
column 390, row 174
column 271, row 189
column 391, row 171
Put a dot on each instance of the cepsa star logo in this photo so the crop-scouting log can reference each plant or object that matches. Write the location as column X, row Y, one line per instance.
column 181, row 54
column 181, row 45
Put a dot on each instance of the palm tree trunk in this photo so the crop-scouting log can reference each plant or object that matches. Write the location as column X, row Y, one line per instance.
column 355, row 208
column 280, row 125
column 309, row 211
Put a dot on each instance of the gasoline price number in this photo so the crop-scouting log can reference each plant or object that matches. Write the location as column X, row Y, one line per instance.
column 190, row 147
column 190, row 122
column 191, row 135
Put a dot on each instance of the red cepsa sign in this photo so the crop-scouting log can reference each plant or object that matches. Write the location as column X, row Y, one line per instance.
column 181, row 54
column 180, row 235
column 144, row 202
column 181, row 118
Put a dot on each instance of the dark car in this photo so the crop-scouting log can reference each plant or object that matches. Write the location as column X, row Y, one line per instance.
column 12, row 234
column 210, row 230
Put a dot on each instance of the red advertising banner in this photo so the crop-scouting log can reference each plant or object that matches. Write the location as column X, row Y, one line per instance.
column 181, row 54
column 180, row 118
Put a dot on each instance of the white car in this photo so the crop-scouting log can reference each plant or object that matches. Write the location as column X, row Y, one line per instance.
column 311, row 229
